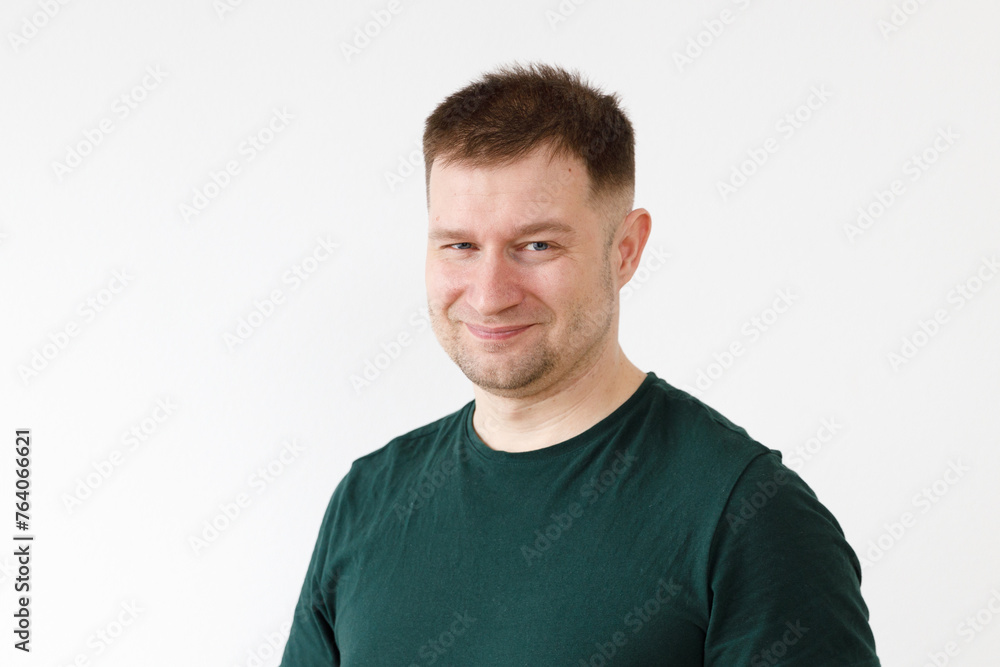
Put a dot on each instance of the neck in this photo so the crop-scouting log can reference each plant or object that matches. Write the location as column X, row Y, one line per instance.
column 565, row 408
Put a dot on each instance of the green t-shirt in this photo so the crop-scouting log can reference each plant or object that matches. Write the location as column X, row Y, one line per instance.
column 662, row 535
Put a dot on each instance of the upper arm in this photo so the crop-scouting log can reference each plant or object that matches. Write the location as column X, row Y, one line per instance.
column 311, row 640
column 785, row 585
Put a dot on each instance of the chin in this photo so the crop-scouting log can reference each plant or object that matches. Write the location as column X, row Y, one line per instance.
column 501, row 378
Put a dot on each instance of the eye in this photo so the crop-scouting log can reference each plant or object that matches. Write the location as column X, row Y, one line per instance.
column 538, row 243
column 463, row 243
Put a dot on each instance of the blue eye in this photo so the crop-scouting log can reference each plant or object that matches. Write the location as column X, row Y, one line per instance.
column 539, row 243
column 462, row 243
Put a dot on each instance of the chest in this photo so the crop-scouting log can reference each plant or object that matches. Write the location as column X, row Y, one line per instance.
column 577, row 572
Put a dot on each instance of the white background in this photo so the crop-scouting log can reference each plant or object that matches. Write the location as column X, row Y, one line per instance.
column 189, row 281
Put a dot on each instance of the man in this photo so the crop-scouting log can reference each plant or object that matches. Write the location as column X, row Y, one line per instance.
column 578, row 511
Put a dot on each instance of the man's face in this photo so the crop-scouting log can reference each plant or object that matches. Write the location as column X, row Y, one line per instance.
column 520, row 290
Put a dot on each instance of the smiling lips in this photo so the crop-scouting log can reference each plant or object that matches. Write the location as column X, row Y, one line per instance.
column 495, row 333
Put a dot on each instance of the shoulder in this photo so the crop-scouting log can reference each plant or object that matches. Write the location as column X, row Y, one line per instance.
column 416, row 444
column 695, row 417
column 696, row 439
column 780, row 560
column 371, row 475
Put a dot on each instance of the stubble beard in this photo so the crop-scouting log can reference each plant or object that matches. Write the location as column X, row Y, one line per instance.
column 525, row 374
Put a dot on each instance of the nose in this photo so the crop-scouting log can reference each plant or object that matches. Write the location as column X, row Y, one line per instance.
column 494, row 284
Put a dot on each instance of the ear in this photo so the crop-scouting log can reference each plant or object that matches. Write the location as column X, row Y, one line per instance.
column 632, row 237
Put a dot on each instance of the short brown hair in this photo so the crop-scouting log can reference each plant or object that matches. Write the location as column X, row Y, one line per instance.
column 510, row 112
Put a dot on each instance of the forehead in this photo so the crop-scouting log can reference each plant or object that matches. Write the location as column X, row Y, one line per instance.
column 540, row 183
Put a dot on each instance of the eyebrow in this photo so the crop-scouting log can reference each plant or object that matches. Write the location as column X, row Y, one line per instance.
column 524, row 230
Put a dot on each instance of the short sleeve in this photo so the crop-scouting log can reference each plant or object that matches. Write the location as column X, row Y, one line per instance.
column 784, row 584
column 311, row 641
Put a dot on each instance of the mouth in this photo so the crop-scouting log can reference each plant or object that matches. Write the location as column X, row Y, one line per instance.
column 495, row 333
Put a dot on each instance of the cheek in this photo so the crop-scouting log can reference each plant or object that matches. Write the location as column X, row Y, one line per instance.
column 443, row 285
column 562, row 288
